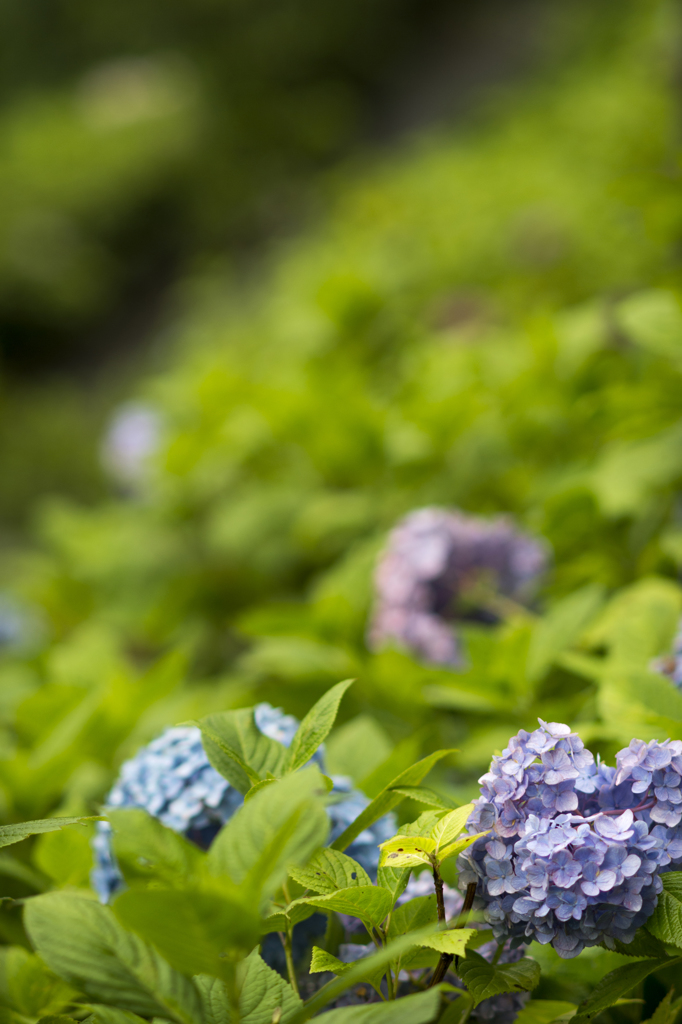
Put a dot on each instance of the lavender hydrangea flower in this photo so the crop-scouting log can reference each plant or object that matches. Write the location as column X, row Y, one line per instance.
column 172, row 779
column 434, row 560
column 577, row 848
column 132, row 438
column 670, row 665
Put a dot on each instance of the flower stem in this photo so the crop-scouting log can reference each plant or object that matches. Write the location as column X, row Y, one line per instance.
column 447, row 958
column 291, row 971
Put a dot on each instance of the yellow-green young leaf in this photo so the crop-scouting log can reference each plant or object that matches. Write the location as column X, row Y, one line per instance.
column 316, row 726
column 367, row 902
column 330, row 870
column 453, row 941
column 459, row 845
column 450, row 826
column 406, row 851
column 388, row 798
column 394, row 880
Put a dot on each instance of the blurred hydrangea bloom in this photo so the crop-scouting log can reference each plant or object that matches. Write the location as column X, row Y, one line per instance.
column 671, row 664
column 440, row 564
column 577, row 848
column 132, row 437
column 171, row 778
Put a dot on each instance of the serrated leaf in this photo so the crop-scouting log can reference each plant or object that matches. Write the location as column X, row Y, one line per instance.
column 238, row 750
column 416, row 1009
column 459, row 845
column 22, row 830
column 407, row 851
column 452, row 941
column 388, row 798
column 667, row 1010
column 666, row 921
column 330, row 870
column 544, row 1011
column 643, row 945
column 416, row 913
column 146, row 850
column 280, row 921
column 84, row 944
column 484, row 979
column 215, row 1001
column 394, row 880
column 316, row 726
column 451, row 825
column 368, row 902
column 617, row 984
column 423, row 825
column 29, row 987
column 280, row 827
column 262, row 991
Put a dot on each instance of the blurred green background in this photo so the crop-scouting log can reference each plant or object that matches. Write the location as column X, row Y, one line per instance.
column 325, row 264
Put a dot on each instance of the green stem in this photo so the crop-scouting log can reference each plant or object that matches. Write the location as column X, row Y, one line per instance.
column 498, row 954
column 286, row 942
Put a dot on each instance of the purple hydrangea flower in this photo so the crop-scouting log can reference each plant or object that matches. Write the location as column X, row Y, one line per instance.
column 577, row 848
column 436, row 560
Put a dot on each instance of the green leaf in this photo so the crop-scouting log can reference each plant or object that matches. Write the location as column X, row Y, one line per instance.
column 12, row 867
column 84, row 944
column 262, row 991
column 453, row 941
column 451, row 825
column 394, row 880
column 666, row 921
column 407, row 851
column 280, row 920
column 544, row 1011
column 643, row 945
column 484, row 979
column 112, row 1015
column 416, row 1009
column 653, row 691
column 357, row 748
column 238, row 750
column 423, row 795
column 667, row 1010
column 388, row 798
column 322, row 962
column 416, row 913
column 281, row 826
column 561, row 627
column 148, row 851
column 618, row 983
column 215, row 1001
column 316, row 726
column 330, row 870
column 368, row 902
column 28, row 986
column 15, row 833
column 357, row 972
column 195, row 930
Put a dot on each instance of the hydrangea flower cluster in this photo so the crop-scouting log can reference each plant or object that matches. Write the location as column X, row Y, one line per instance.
column 171, row 778
column 434, row 559
column 577, row 847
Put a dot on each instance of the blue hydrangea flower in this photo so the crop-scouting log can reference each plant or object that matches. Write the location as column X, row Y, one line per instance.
column 171, row 778
column 577, row 848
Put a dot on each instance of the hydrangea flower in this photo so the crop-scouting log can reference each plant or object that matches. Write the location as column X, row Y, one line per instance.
column 577, row 848
column 172, row 779
column 434, row 559
column 132, row 438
